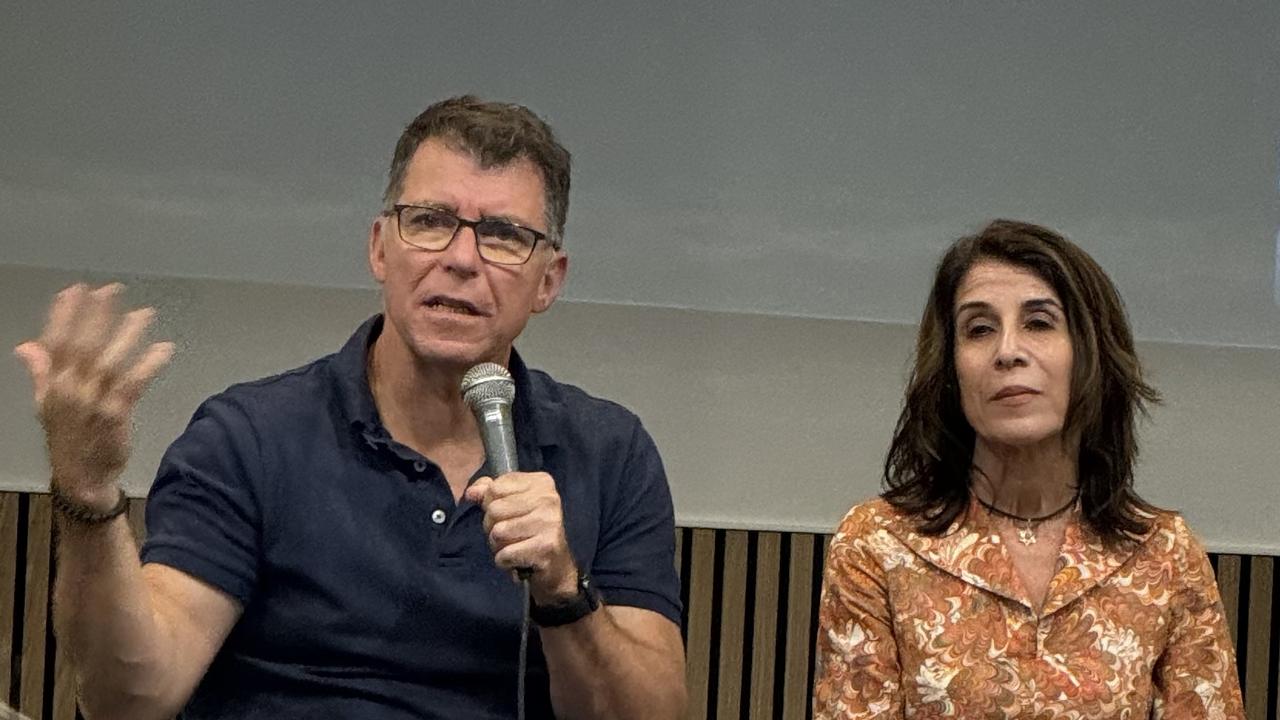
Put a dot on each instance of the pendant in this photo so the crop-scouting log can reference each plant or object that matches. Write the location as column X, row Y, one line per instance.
column 1027, row 536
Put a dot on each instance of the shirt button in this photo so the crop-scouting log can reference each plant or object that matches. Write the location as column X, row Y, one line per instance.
column 439, row 516
column 419, row 466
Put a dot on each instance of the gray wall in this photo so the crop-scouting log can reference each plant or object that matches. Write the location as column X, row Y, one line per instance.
column 800, row 159
column 764, row 422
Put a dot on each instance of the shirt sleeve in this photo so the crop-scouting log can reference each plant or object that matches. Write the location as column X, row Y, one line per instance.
column 1195, row 676
column 203, row 514
column 857, row 671
column 634, row 563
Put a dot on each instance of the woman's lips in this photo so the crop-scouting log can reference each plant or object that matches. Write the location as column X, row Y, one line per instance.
column 1014, row 391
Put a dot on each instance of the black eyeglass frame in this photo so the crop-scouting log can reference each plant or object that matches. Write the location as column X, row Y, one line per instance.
column 399, row 208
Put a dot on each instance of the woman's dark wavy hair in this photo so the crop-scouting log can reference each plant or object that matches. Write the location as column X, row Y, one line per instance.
column 927, row 470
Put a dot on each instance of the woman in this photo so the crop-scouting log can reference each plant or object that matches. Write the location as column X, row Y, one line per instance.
column 1010, row 570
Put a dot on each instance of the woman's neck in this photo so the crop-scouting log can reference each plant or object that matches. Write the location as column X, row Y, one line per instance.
column 1026, row 481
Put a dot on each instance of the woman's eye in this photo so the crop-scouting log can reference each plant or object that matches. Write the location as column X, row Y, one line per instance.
column 1040, row 323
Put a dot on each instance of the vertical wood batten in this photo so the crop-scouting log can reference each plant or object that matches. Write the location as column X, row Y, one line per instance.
column 764, row 634
column 733, row 611
column 795, row 683
column 1258, row 657
column 679, row 547
column 698, row 644
column 137, row 519
column 1229, row 588
column 8, row 588
column 35, row 607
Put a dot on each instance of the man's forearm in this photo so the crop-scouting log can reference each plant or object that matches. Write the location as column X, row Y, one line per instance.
column 103, row 615
column 599, row 669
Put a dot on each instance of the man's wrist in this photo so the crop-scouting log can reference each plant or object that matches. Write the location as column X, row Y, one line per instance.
column 562, row 591
column 582, row 603
column 92, row 510
column 86, row 490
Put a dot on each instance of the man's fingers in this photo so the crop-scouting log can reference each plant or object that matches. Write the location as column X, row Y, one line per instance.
column 498, row 509
column 477, row 491
column 122, row 344
column 139, row 377
column 532, row 553
column 94, row 323
column 62, row 313
column 514, row 484
column 36, row 359
column 503, row 533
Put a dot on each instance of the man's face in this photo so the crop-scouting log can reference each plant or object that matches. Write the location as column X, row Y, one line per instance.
column 451, row 308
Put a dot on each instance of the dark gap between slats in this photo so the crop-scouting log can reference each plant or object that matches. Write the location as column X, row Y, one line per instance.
column 815, row 595
column 686, row 559
column 19, row 600
column 780, row 637
column 1273, row 670
column 1242, row 622
column 50, row 646
column 717, row 619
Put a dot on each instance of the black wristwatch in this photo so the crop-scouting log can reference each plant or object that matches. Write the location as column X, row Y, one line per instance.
column 574, row 609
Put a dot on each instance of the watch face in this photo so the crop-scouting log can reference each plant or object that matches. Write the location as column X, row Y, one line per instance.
column 588, row 591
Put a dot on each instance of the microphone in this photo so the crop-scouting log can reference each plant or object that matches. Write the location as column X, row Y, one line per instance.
column 488, row 390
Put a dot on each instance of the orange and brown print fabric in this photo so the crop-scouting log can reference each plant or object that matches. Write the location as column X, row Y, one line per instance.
column 912, row 626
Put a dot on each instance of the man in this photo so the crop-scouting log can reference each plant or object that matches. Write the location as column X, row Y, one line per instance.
column 327, row 543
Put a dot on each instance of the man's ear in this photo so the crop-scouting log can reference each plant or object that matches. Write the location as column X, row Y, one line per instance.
column 551, row 282
column 377, row 249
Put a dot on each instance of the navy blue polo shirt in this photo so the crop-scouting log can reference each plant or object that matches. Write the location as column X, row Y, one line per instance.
column 367, row 592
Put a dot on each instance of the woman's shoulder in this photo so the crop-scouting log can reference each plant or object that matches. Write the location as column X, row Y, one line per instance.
column 1168, row 536
column 871, row 516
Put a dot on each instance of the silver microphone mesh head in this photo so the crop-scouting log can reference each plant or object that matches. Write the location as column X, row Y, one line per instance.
column 486, row 382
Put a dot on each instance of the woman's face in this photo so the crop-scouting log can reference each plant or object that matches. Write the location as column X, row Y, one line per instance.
column 1012, row 354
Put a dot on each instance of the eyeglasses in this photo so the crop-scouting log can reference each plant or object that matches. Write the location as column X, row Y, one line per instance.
column 498, row 241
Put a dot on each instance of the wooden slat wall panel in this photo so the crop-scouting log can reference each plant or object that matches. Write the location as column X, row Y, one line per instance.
column 137, row 519
column 733, row 611
column 764, row 631
column 679, row 548
column 1229, row 588
column 64, row 690
column 702, row 574
column 8, row 587
column 795, row 683
column 1258, row 657
column 35, row 607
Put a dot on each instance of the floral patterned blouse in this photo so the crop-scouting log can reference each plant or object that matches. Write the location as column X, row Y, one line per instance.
column 912, row 626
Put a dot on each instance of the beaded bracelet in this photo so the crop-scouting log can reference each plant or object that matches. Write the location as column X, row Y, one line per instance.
column 86, row 516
